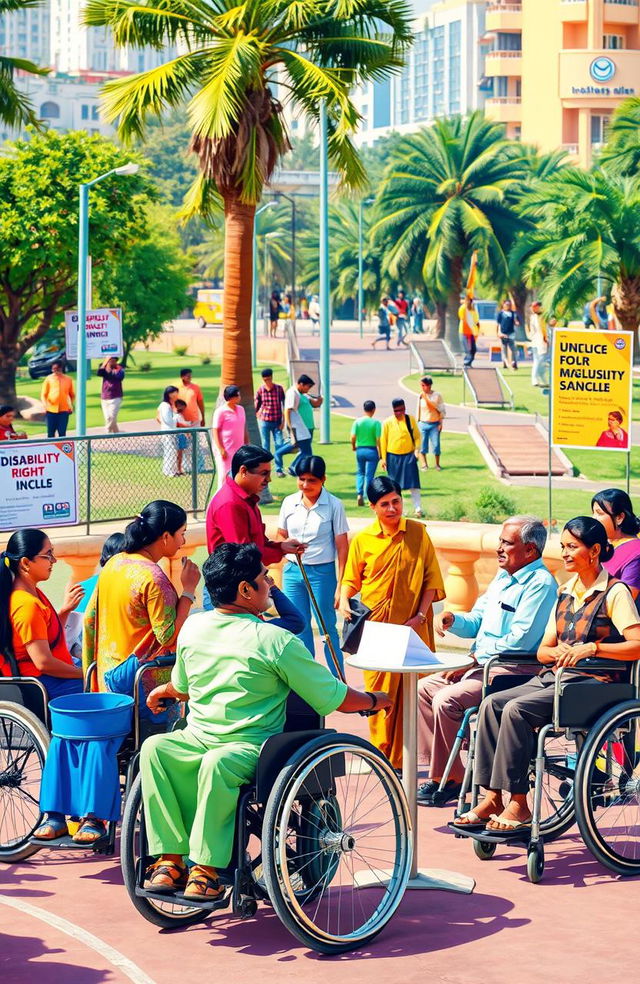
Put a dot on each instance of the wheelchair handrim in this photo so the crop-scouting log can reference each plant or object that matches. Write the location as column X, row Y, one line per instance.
column 404, row 846
column 16, row 748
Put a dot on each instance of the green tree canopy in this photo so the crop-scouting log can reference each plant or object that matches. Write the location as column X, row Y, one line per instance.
column 149, row 282
column 449, row 190
column 39, row 181
column 621, row 154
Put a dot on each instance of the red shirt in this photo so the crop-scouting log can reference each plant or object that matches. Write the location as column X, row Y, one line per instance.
column 234, row 517
column 402, row 305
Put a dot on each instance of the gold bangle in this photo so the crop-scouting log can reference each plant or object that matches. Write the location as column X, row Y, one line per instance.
column 422, row 616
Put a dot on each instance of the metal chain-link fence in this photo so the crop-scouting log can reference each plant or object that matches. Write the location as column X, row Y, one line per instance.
column 118, row 474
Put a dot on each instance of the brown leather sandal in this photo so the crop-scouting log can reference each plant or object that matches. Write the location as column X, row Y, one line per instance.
column 174, row 876
column 202, row 886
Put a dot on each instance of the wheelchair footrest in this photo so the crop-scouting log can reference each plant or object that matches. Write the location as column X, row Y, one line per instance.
column 67, row 843
column 209, row 904
column 522, row 836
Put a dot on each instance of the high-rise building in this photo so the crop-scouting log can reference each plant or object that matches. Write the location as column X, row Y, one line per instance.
column 76, row 48
column 25, row 34
column 559, row 68
column 441, row 76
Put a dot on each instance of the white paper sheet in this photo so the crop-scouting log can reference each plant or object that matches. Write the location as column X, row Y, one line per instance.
column 391, row 645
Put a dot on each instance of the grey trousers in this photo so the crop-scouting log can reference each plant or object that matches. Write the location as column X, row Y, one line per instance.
column 506, row 740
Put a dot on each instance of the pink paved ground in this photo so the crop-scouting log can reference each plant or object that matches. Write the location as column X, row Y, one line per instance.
column 574, row 927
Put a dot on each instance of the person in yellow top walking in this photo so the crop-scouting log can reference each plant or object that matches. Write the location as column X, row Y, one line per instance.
column 393, row 564
column 469, row 326
column 399, row 443
column 430, row 413
column 57, row 395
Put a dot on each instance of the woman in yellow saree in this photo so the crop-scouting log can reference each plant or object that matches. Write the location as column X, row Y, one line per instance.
column 393, row 565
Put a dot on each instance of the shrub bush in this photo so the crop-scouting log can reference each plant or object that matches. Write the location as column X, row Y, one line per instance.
column 205, row 360
column 145, row 366
column 493, row 506
column 180, row 349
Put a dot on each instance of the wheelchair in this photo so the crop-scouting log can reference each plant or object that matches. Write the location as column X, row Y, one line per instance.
column 586, row 769
column 24, row 742
column 324, row 810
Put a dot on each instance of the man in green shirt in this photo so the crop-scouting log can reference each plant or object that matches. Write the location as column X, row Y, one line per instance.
column 237, row 671
column 365, row 441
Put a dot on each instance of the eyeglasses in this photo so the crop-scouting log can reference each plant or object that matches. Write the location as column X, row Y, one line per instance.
column 49, row 555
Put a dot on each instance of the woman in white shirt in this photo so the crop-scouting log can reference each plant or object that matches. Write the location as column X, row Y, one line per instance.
column 316, row 518
column 166, row 418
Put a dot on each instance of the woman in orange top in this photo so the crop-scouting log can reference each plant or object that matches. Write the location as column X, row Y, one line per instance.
column 32, row 641
column 57, row 395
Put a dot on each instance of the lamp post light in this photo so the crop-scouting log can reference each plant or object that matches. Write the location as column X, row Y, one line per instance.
column 325, row 312
column 361, row 204
column 254, row 287
column 83, row 262
column 268, row 236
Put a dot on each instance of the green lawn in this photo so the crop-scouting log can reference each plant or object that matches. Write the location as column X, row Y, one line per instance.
column 526, row 398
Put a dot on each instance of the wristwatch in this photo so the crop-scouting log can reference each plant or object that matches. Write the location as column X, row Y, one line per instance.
column 374, row 699
column 189, row 595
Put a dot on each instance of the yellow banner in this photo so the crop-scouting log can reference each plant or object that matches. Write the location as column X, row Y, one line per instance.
column 591, row 388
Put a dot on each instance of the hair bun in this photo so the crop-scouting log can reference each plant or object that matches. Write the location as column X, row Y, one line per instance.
column 607, row 552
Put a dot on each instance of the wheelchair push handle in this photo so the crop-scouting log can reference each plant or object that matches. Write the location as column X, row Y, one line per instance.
column 326, row 636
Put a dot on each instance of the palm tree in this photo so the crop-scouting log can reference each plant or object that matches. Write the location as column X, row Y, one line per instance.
column 15, row 108
column 230, row 57
column 447, row 191
column 621, row 155
column 585, row 231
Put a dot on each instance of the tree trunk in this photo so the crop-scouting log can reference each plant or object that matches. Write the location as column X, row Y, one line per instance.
column 452, row 333
column 626, row 306
column 441, row 319
column 520, row 295
column 236, row 339
column 8, row 365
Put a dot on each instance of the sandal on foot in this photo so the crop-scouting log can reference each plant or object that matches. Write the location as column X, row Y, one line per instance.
column 469, row 821
column 202, row 886
column 51, row 830
column 89, row 831
column 512, row 826
column 165, row 876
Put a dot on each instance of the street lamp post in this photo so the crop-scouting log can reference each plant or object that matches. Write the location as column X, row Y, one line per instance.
column 292, row 201
column 83, row 264
column 361, row 204
column 267, row 237
column 325, row 312
column 254, row 287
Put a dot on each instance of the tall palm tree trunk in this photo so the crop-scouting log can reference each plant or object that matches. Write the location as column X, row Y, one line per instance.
column 441, row 319
column 236, row 339
column 626, row 305
column 452, row 333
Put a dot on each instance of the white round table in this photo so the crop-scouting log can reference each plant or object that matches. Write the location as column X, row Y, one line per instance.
column 449, row 881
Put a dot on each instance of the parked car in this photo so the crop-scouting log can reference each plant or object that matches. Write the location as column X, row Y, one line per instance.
column 48, row 350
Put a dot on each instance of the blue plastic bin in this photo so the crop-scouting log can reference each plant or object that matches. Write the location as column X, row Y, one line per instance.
column 90, row 717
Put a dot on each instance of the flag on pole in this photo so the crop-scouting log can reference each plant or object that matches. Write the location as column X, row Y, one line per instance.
column 473, row 269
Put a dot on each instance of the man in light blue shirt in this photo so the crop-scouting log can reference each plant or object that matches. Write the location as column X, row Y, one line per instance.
column 510, row 617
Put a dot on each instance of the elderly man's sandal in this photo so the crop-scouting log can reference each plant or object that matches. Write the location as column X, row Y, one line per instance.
column 471, row 821
column 165, row 876
column 512, row 826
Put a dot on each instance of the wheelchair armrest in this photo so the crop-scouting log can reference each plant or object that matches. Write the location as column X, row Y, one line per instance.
column 159, row 661
column 506, row 659
column 590, row 663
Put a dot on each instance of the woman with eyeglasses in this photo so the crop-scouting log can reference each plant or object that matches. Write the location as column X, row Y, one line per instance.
column 32, row 641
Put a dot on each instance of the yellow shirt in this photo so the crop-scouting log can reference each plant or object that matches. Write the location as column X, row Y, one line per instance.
column 57, row 393
column 396, row 439
column 469, row 321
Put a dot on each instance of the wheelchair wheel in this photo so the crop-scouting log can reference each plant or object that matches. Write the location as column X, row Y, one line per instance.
column 484, row 849
column 169, row 914
column 557, row 810
column 535, row 863
column 608, row 789
column 24, row 741
column 336, row 816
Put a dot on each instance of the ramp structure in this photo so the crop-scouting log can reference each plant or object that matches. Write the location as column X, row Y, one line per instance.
column 431, row 355
column 518, row 449
column 488, row 388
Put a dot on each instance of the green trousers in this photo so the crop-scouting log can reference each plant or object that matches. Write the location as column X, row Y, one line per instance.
column 190, row 791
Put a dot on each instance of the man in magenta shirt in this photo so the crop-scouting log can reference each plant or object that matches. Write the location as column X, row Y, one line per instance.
column 233, row 515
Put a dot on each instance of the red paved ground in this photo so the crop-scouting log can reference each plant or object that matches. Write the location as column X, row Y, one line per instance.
column 575, row 927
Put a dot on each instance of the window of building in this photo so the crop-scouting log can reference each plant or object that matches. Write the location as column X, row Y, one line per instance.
column 95, row 114
column 50, row 111
column 84, row 112
column 421, row 87
column 613, row 41
column 599, row 127
column 437, row 67
column 455, row 40
column 500, row 86
column 402, row 94
column 508, row 42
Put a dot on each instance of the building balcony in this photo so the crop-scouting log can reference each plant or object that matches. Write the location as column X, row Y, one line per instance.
column 574, row 10
column 503, row 63
column 503, row 17
column 504, row 109
column 616, row 12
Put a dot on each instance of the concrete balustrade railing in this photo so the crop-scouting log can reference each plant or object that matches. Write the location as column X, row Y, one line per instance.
column 466, row 552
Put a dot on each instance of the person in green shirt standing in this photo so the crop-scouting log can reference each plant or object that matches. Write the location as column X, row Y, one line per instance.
column 236, row 671
column 307, row 405
column 365, row 441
